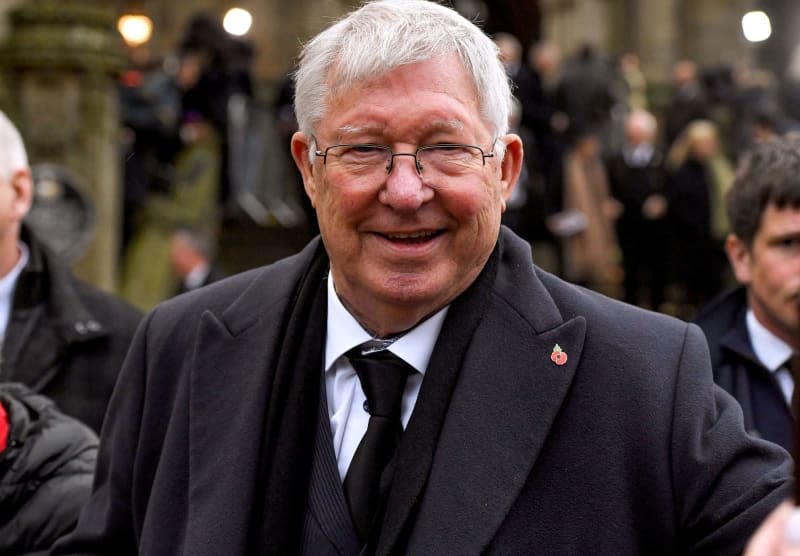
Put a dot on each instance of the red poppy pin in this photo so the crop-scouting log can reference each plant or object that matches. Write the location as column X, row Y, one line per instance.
column 559, row 356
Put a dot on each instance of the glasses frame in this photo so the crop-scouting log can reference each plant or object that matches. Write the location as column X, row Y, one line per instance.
column 324, row 153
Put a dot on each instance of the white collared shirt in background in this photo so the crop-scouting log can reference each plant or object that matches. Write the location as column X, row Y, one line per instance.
column 772, row 352
column 196, row 276
column 345, row 397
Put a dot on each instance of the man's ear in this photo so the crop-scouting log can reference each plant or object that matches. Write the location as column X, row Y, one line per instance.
column 22, row 185
column 511, row 166
column 301, row 146
column 740, row 258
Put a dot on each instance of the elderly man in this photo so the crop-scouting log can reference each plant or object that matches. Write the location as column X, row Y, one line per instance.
column 637, row 178
column 60, row 336
column 410, row 383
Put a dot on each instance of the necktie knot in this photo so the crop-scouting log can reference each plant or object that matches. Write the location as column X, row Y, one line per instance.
column 383, row 379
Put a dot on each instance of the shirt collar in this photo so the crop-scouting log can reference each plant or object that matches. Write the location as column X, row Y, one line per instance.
column 770, row 350
column 344, row 333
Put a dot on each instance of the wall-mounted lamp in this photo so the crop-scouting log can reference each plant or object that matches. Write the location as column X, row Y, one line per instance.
column 756, row 26
column 136, row 29
column 237, row 21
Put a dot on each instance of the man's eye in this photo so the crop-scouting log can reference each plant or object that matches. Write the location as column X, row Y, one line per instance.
column 362, row 153
column 449, row 151
column 366, row 149
column 790, row 243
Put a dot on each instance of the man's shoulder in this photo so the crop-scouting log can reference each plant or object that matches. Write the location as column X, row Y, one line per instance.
column 722, row 313
column 603, row 313
column 108, row 307
column 546, row 300
column 250, row 293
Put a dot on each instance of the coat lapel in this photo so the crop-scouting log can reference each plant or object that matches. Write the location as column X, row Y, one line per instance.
column 229, row 388
column 506, row 399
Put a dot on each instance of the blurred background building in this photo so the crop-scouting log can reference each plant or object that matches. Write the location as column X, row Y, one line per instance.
column 112, row 115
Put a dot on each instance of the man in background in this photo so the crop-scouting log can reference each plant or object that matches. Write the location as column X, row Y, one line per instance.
column 60, row 336
column 191, row 256
column 636, row 176
column 753, row 330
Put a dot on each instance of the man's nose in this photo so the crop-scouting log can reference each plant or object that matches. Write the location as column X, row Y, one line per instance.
column 405, row 189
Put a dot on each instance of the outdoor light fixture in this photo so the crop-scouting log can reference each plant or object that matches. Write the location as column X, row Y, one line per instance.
column 237, row 21
column 756, row 26
column 136, row 29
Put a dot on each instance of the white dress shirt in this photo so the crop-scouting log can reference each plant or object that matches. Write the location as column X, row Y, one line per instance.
column 344, row 394
column 772, row 352
column 7, row 285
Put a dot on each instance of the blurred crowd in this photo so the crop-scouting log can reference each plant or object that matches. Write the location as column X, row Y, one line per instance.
column 624, row 185
column 622, row 191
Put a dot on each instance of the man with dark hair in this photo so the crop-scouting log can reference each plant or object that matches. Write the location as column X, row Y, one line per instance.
column 753, row 330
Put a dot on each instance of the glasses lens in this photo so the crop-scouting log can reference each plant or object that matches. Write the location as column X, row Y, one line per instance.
column 358, row 159
column 450, row 159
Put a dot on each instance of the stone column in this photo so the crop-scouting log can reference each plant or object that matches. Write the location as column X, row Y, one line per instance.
column 58, row 66
column 711, row 32
column 573, row 23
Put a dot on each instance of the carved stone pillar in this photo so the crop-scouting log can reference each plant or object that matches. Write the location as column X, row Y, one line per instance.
column 573, row 23
column 711, row 32
column 58, row 70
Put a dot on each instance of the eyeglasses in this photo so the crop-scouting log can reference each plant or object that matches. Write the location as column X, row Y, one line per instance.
column 446, row 159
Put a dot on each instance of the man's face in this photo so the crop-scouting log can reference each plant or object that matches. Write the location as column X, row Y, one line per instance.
column 771, row 270
column 403, row 245
column 15, row 201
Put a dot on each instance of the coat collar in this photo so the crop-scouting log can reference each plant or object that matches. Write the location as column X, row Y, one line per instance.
column 229, row 388
column 501, row 412
column 47, row 316
column 46, row 279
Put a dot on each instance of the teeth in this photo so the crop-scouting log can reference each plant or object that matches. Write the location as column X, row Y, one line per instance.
column 413, row 235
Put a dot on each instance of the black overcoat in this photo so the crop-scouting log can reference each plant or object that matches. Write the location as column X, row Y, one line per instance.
column 626, row 448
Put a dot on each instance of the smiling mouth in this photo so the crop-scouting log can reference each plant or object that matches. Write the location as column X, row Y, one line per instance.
column 412, row 237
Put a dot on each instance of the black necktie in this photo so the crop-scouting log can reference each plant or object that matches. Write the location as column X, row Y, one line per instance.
column 383, row 379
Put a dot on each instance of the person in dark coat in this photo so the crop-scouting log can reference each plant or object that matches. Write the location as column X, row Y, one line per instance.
column 753, row 330
column 637, row 176
column 47, row 462
column 62, row 337
column 699, row 175
column 529, row 415
column 688, row 101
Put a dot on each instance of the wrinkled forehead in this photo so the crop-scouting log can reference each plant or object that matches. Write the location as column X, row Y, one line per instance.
column 343, row 75
column 448, row 78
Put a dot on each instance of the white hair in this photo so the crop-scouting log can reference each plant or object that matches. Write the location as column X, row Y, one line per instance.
column 12, row 150
column 385, row 34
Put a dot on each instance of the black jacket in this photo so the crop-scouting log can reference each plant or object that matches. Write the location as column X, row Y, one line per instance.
column 739, row 371
column 65, row 338
column 45, row 472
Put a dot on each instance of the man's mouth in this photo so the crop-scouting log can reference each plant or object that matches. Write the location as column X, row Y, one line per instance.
column 412, row 237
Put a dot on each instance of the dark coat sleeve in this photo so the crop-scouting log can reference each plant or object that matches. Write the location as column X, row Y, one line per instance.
column 726, row 482
column 107, row 524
